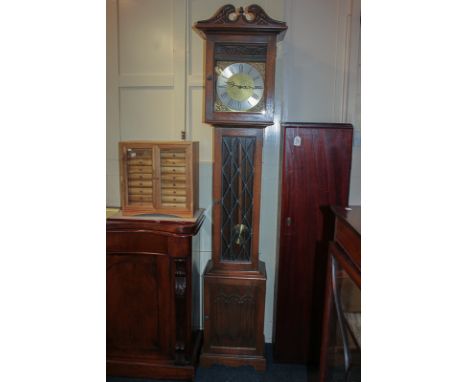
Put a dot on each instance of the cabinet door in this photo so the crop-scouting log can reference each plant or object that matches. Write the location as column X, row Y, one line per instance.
column 137, row 177
column 234, row 312
column 139, row 305
column 316, row 171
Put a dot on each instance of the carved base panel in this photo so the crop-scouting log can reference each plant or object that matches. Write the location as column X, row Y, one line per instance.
column 234, row 307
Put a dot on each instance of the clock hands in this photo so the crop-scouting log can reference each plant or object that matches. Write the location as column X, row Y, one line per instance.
column 232, row 84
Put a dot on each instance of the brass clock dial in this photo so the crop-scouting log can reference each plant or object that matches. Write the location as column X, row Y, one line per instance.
column 239, row 86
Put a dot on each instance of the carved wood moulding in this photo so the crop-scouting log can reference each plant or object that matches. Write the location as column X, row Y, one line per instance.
column 227, row 18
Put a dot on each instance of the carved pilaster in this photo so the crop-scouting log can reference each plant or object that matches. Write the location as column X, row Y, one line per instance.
column 180, row 289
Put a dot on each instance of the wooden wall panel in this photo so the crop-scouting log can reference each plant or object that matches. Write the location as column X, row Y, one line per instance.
column 145, row 37
column 142, row 115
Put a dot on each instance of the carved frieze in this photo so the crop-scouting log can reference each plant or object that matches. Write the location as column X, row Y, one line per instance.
column 234, row 299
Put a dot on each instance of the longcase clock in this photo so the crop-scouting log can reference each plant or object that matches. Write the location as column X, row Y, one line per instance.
column 239, row 102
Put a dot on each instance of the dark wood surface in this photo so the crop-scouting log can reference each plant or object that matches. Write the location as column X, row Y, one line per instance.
column 234, row 307
column 149, row 330
column 348, row 255
column 261, row 30
column 315, row 174
column 347, row 228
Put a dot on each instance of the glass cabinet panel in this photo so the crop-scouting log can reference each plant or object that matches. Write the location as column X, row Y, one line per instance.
column 139, row 165
column 237, row 197
column 344, row 339
column 173, row 180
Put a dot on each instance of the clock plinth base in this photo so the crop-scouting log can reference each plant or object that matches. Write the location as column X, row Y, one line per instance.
column 234, row 308
column 258, row 362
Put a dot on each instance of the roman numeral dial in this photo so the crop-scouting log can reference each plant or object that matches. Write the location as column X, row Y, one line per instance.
column 240, row 86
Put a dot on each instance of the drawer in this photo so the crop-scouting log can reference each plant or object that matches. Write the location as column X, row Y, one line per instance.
column 139, row 153
column 172, row 154
column 140, row 191
column 140, row 162
column 173, row 177
column 140, row 169
column 172, row 170
column 173, row 205
column 173, row 162
column 140, row 176
column 140, row 198
column 140, row 183
column 174, row 184
column 173, row 199
column 174, row 192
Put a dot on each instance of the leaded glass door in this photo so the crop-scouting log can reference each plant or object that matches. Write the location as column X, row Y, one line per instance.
column 236, row 192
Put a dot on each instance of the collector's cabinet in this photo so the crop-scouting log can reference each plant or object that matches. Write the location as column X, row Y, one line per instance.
column 159, row 177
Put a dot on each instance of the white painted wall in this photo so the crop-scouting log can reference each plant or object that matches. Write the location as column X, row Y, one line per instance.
column 155, row 90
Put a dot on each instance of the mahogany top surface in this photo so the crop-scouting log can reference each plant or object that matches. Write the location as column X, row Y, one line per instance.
column 158, row 222
column 259, row 273
column 318, row 125
column 350, row 215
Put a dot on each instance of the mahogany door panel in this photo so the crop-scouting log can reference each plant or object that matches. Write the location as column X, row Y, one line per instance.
column 316, row 173
column 138, row 318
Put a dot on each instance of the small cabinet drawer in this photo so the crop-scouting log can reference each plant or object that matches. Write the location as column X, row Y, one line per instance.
column 172, row 154
column 172, row 184
column 140, row 176
column 140, row 191
column 133, row 153
column 175, row 199
column 173, row 162
column 140, row 162
column 174, row 191
column 140, row 198
column 172, row 170
column 173, row 177
column 140, row 169
column 140, row 183
column 173, row 205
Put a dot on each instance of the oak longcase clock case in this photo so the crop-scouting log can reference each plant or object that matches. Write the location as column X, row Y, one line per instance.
column 235, row 278
column 239, row 102
column 240, row 66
